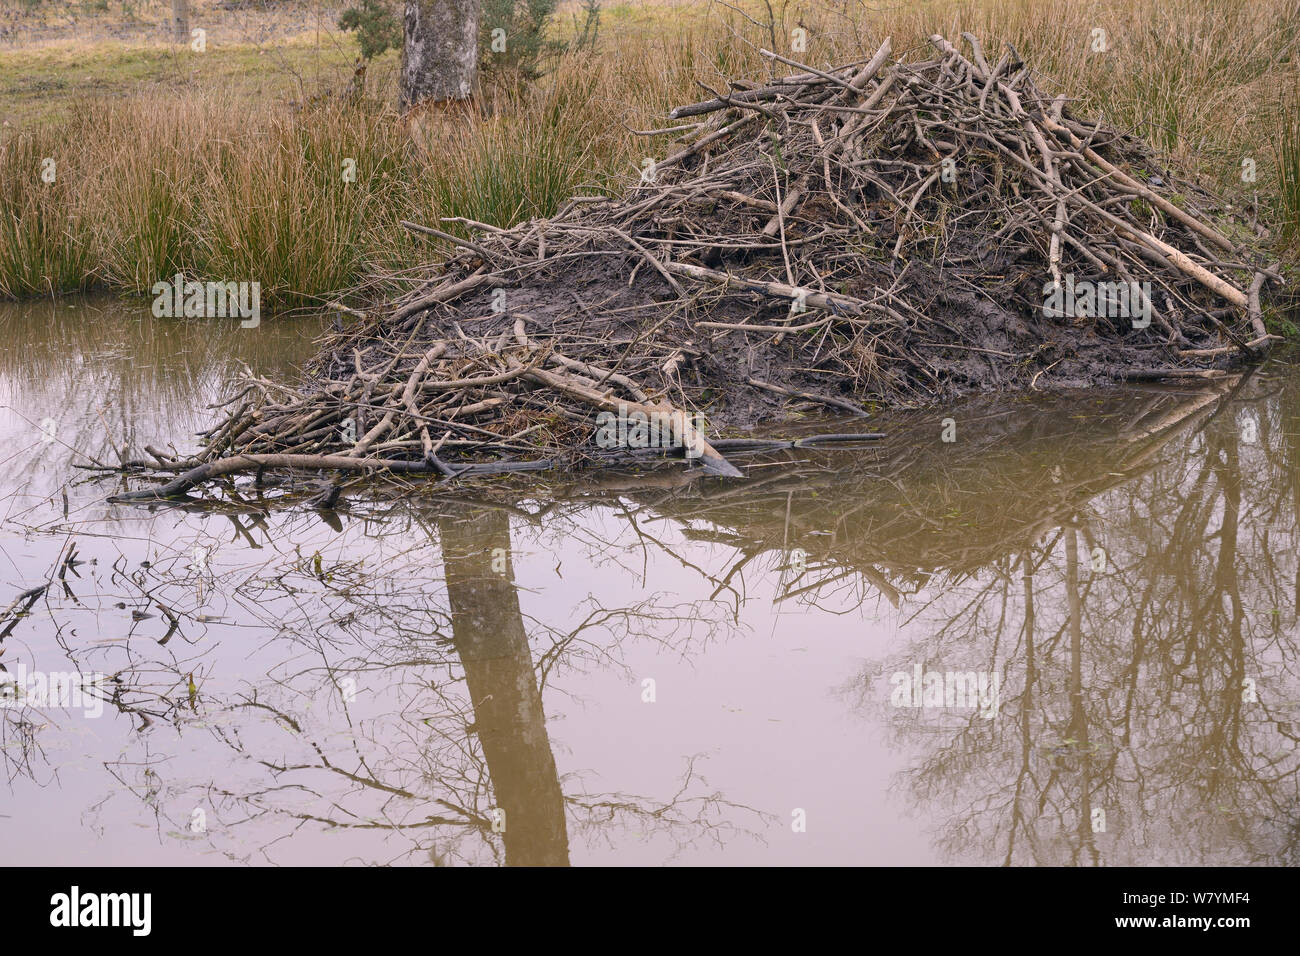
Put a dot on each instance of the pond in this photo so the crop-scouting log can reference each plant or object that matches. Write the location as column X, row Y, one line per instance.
column 1033, row 629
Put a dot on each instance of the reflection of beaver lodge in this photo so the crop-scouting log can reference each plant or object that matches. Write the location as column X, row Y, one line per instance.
column 913, row 507
column 886, row 231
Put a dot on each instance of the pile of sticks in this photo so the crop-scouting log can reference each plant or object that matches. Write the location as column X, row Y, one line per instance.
column 882, row 232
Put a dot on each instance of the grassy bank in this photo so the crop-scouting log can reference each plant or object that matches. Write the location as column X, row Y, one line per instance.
column 234, row 166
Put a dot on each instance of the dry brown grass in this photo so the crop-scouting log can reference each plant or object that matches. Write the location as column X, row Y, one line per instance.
column 157, row 183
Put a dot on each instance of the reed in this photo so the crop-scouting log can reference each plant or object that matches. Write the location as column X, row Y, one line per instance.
column 159, row 182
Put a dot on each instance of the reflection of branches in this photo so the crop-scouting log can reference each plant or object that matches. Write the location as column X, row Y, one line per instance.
column 397, row 673
column 680, row 627
column 1126, row 691
column 20, row 743
column 683, row 817
column 390, row 710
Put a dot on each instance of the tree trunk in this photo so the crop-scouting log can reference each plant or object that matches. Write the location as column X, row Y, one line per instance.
column 439, row 51
column 181, row 20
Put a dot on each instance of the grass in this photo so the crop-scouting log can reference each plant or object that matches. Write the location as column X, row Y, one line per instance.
column 1288, row 170
column 47, row 84
column 42, row 246
column 229, row 165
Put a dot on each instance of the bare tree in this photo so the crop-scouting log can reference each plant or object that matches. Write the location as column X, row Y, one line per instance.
column 439, row 51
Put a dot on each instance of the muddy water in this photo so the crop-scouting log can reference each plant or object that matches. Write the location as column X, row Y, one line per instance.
column 1095, row 595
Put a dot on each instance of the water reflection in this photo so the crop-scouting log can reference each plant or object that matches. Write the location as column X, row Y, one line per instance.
column 1153, row 689
column 500, row 678
column 649, row 669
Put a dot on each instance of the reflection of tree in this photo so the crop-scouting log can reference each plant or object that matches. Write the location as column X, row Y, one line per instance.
column 1125, row 689
column 446, row 728
column 1122, row 684
column 488, row 630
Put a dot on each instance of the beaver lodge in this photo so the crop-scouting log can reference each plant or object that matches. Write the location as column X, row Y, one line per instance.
column 887, row 232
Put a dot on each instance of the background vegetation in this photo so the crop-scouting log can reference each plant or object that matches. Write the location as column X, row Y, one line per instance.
column 230, row 163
